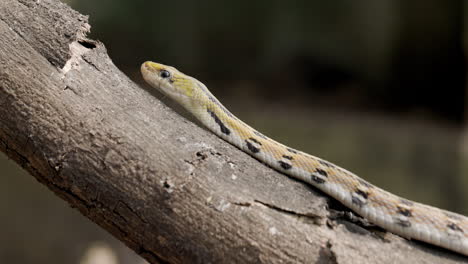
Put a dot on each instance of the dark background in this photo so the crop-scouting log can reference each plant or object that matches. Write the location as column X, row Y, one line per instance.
column 377, row 87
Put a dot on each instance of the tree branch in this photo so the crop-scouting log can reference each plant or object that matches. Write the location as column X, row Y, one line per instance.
column 168, row 189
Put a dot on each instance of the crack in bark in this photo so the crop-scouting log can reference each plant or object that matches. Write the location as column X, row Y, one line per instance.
column 87, row 43
column 355, row 224
column 243, row 204
column 316, row 219
column 89, row 62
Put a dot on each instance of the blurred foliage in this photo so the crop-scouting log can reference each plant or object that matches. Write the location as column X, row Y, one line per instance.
column 220, row 35
column 388, row 55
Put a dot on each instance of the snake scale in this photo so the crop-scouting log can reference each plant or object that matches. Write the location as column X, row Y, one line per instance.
column 398, row 215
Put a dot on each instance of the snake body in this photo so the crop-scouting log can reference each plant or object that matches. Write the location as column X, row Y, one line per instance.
column 398, row 215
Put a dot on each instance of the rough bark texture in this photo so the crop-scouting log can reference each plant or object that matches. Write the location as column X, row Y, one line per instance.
column 170, row 190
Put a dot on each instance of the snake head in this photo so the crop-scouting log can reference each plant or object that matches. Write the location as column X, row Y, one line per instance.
column 170, row 82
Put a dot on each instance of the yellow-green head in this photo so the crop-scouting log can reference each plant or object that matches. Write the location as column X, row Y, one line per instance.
column 171, row 82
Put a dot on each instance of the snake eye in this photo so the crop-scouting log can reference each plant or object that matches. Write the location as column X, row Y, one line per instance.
column 164, row 74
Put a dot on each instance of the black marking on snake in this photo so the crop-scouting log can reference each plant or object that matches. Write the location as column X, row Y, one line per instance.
column 218, row 121
column 259, row 134
column 355, row 200
column 251, row 147
column 402, row 222
column 455, row 227
column 404, row 211
column 321, row 172
column 291, row 150
column 359, row 198
column 317, row 179
column 362, row 193
column 284, row 165
column 254, row 140
column 287, row 157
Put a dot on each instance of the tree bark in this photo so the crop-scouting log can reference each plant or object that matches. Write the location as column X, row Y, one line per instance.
column 171, row 191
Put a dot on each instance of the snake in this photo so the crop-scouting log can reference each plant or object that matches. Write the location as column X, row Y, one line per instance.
column 403, row 217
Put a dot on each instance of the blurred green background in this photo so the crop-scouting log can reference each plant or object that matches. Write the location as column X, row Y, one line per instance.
column 377, row 87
